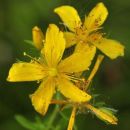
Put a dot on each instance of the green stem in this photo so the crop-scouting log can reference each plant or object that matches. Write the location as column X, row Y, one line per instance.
column 52, row 118
column 53, row 115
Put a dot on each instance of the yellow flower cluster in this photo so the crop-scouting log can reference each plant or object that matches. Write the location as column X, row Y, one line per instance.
column 56, row 73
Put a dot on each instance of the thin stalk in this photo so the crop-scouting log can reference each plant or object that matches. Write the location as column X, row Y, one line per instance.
column 53, row 116
column 94, row 70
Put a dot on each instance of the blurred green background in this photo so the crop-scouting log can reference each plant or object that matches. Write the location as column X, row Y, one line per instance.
column 17, row 17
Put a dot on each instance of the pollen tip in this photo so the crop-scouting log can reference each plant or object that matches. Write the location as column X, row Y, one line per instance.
column 83, row 79
column 24, row 53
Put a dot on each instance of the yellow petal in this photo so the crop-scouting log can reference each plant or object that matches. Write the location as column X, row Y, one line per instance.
column 26, row 72
column 72, row 92
column 42, row 96
column 84, row 47
column 78, row 61
column 111, row 48
column 54, row 45
column 96, row 17
column 38, row 37
column 107, row 117
column 72, row 119
column 69, row 16
column 70, row 39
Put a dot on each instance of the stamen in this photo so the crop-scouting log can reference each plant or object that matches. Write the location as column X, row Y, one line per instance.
column 60, row 102
column 64, row 26
column 74, row 78
column 34, row 59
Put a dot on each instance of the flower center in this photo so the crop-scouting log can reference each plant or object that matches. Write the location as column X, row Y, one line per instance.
column 53, row 72
column 81, row 34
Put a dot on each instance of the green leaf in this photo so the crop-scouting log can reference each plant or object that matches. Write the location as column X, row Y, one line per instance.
column 95, row 95
column 64, row 116
column 62, row 123
column 29, row 42
column 99, row 104
column 25, row 122
column 110, row 110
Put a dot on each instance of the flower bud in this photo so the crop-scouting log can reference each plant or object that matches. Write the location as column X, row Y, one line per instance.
column 104, row 114
column 38, row 37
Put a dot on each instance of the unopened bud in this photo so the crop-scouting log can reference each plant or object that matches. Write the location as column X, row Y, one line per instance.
column 38, row 37
column 103, row 114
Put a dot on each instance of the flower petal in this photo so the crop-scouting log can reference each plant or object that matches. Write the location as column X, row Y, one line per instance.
column 42, row 96
column 111, row 48
column 54, row 45
column 96, row 17
column 72, row 92
column 38, row 37
column 84, row 47
column 72, row 119
column 26, row 72
column 69, row 16
column 70, row 39
column 78, row 61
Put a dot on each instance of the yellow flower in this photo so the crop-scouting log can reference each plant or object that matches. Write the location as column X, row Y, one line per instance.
column 102, row 113
column 87, row 33
column 53, row 72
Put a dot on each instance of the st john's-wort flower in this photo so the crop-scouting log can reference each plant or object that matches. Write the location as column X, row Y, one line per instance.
column 87, row 34
column 103, row 113
column 53, row 72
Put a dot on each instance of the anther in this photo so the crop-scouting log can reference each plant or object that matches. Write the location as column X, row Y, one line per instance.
column 25, row 54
